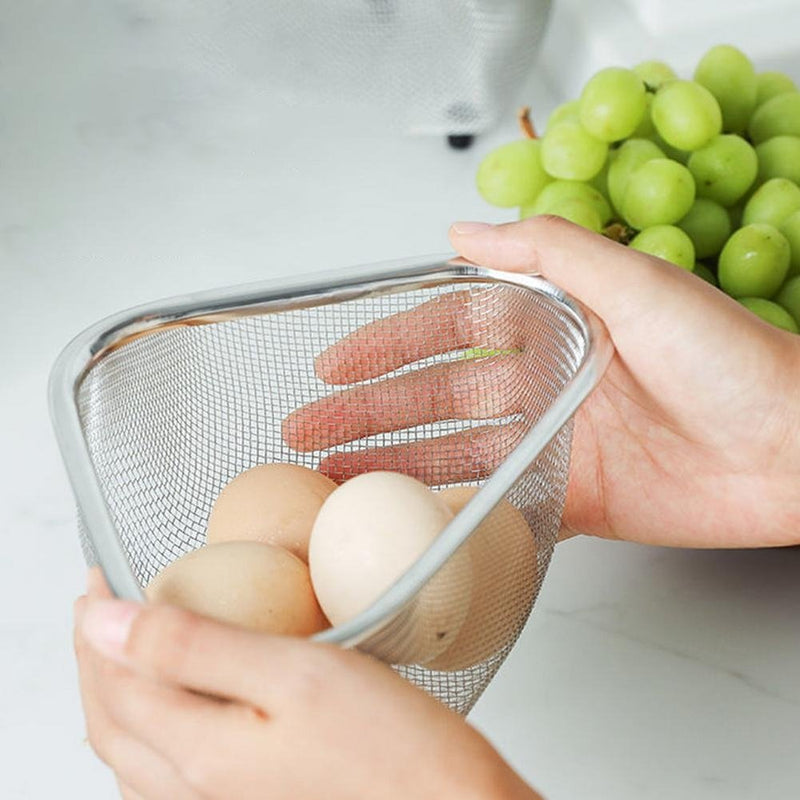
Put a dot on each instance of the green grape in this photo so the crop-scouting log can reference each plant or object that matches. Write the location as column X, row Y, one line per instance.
column 560, row 191
column 770, row 312
column 645, row 129
column 512, row 174
column 729, row 75
column 772, row 202
column 778, row 116
column 570, row 153
column 612, row 104
column 681, row 156
column 577, row 211
column 789, row 297
column 753, row 262
column 779, row 157
column 768, row 84
column 660, row 192
column 708, row 225
column 790, row 228
column 724, row 169
column 564, row 112
column 702, row 271
column 600, row 181
column 686, row 114
column 667, row 242
column 654, row 73
column 626, row 159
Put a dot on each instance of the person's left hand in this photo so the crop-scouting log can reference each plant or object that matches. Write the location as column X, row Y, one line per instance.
column 184, row 708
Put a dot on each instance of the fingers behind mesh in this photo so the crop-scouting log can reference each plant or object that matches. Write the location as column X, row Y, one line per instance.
column 457, row 458
column 466, row 389
column 453, row 321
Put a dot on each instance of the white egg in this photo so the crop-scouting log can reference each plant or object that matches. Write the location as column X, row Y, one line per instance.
column 254, row 585
column 273, row 503
column 504, row 575
column 366, row 535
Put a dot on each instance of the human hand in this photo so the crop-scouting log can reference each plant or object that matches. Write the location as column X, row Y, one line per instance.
column 692, row 437
column 183, row 708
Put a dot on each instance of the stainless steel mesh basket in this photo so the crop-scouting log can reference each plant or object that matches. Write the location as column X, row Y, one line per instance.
column 156, row 409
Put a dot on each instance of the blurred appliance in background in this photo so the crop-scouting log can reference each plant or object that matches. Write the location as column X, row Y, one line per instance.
column 437, row 67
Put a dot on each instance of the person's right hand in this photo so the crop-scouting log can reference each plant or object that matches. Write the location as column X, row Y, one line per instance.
column 692, row 438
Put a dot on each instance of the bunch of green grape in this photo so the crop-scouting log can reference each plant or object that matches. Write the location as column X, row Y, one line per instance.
column 703, row 173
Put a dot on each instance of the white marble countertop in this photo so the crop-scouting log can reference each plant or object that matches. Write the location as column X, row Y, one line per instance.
column 643, row 673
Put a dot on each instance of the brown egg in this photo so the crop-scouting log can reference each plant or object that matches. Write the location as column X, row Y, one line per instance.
column 274, row 503
column 367, row 533
column 254, row 585
column 503, row 554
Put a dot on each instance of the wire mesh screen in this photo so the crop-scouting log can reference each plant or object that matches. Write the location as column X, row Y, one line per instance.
column 440, row 383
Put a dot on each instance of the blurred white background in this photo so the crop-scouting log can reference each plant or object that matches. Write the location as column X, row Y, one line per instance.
column 128, row 175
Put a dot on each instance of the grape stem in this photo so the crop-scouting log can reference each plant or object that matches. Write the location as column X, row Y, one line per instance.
column 619, row 232
column 525, row 123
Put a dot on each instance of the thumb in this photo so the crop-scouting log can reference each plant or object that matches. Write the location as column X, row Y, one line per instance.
column 672, row 330
column 626, row 288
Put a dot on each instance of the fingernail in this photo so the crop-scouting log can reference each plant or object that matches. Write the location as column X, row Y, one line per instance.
column 107, row 623
column 467, row 228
